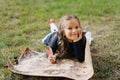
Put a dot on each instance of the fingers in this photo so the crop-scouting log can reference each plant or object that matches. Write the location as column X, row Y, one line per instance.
column 52, row 59
column 79, row 36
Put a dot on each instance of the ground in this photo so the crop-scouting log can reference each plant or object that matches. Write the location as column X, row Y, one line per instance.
column 25, row 22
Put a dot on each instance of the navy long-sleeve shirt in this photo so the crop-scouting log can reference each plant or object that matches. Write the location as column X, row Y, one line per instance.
column 75, row 49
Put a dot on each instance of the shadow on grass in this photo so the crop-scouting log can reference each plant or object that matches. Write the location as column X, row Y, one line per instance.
column 105, row 68
column 25, row 77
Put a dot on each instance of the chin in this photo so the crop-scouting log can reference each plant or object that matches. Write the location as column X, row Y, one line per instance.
column 74, row 38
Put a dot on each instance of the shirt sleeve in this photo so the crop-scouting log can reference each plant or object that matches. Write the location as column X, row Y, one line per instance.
column 79, row 49
column 51, row 41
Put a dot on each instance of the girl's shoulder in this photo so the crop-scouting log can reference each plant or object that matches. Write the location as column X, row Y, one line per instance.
column 83, row 33
column 51, row 38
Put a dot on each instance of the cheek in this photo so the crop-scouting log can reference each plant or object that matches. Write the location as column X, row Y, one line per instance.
column 66, row 33
column 79, row 30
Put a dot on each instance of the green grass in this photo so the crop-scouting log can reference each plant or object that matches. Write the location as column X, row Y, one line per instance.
column 25, row 22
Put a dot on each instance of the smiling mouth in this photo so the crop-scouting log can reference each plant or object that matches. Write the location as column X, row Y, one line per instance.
column 74, row 34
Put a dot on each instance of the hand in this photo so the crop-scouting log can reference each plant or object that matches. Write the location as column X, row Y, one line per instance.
column 49, row 51
column 52, row 59
column 79, row 36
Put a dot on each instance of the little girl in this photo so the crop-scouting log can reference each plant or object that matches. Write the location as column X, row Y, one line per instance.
column 68, row 42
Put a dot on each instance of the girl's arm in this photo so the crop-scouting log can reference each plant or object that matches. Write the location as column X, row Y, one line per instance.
column 79, row 49
column 51, row 42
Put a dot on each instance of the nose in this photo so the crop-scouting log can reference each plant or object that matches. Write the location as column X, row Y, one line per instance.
column 74, row 30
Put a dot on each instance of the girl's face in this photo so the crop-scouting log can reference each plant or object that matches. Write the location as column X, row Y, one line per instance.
column 72, row 30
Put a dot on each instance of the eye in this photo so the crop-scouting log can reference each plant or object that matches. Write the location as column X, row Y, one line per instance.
column 69, row 28
column 76, row 27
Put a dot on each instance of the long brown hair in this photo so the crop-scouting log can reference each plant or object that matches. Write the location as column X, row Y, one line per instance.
column 64, row 43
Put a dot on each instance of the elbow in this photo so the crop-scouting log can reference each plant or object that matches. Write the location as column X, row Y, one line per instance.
column 81, row 60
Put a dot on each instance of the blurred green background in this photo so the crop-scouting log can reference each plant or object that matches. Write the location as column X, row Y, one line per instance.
column 25, row 22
